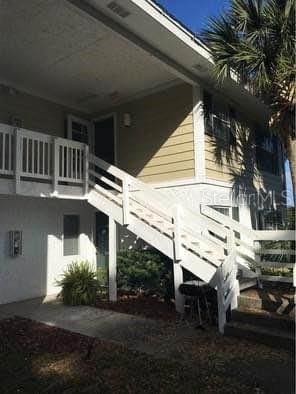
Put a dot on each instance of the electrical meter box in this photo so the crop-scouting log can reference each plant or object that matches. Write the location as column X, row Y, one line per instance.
column 15, row 238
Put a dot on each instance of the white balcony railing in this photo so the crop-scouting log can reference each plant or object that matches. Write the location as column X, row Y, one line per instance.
column 29, row 155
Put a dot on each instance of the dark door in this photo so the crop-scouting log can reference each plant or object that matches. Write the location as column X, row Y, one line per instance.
column 104, row 139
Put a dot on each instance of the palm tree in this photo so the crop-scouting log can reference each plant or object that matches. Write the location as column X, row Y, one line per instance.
column 256, row 38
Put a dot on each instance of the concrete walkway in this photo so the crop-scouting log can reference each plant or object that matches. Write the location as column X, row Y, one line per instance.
column 205, row 350
column 134, row 332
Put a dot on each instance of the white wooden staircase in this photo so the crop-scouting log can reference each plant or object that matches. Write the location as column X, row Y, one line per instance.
column 160, row 221
column 192, row 240
column 208, row 244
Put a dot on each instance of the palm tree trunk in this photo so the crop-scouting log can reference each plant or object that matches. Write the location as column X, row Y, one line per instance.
column 291, row 155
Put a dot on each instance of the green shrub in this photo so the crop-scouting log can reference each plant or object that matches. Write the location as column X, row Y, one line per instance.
column 79, row 284
column 288, row 272
column 102, row 276
column 145, row 271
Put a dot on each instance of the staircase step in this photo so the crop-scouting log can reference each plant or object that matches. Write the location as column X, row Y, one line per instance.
column 246, row 283
column 264, row 319
column 273, row 337
column 278, row 305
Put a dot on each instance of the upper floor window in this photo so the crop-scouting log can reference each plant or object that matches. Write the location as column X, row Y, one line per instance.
column 79, row 132
column 267, row 152
column 219, row 118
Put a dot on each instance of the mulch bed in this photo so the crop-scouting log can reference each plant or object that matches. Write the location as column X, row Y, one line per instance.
column 37, row 358
column 144, row 305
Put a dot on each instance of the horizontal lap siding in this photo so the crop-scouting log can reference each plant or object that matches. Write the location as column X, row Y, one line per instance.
column 36, row 113
column 216, row 170
column 159, row 145
column 229, row 171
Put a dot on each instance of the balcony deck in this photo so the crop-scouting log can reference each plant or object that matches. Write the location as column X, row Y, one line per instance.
column 41, row 165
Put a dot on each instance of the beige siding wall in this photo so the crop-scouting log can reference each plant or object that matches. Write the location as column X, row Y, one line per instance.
column 238, row 171
column 36, row 113
column 159, row 144
column 221, row 169
column 239, row 167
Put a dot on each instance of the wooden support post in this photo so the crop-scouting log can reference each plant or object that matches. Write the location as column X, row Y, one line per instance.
column 235, row 287
column 230, row 241
column 231, row 250
column 125, row 200
column 18, row 159
column 177, row 233
column 86, row 168
column 257, row 247
column 177, row 252
column 112, row 260
column 178, row 280
column 234, row 301
column 56, row 164
column 221, row 300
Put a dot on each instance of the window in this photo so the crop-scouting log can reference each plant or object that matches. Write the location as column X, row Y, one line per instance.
column 218, row 118
column 267, row 153
column 232, row 212
column 79, row 132
column 71, row 235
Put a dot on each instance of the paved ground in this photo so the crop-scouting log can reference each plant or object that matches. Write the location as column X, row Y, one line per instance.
column 132, row 331
column 263, row 366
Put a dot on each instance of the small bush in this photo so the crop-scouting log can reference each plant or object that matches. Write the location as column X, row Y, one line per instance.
column 145, row 271
column 79, row 284
column 288, row 272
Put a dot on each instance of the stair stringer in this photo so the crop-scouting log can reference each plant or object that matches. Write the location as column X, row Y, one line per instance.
column 190, row 261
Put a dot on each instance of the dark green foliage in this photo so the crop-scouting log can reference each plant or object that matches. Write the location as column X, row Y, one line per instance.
column 256, row 39
column 79, row 284
column 145, row 270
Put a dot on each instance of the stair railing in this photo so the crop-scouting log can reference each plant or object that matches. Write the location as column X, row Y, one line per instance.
column 227, row 283
column 250, row 246
column 183, row 226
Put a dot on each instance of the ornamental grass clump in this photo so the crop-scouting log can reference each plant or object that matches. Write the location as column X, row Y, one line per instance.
column 79, row 284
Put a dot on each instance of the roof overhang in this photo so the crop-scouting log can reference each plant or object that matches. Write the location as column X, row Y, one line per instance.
column 92, row 54
column 148, row 26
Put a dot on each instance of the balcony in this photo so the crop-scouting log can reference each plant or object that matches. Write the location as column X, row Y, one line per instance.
column 36, row 164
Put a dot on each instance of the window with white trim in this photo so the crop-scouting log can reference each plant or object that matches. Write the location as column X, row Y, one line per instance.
column 267, row 156
column 71, row 235
column 219, row 118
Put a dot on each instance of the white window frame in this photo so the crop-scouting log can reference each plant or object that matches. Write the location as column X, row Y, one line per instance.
column 87, row 123
column 63, row 234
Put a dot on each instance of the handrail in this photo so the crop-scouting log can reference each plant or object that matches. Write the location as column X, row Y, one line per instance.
column 227, row 221
column 274, row 235
column 166, row 209
column 164, row 203
column 122, row 175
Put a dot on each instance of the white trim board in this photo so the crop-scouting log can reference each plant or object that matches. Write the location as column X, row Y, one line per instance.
column 174, row 27
column 191, row 181
column 198, row 133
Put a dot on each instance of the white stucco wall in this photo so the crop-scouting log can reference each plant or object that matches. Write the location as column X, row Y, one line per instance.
column 41, row 220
